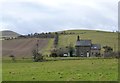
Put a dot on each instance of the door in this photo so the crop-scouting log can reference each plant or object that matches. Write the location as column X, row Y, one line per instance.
column 88, row 54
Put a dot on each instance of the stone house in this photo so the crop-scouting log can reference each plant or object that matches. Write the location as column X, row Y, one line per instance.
column 85, row 48
column 95, row 50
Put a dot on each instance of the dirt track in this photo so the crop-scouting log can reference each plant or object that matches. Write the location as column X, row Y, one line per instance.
column 22, row 47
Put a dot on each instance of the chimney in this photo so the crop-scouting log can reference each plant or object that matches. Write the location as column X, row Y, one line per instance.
column 78, row 38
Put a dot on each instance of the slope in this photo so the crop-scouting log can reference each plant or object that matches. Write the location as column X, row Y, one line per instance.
column 99, row 37
column 22, row 47
column 8, row 33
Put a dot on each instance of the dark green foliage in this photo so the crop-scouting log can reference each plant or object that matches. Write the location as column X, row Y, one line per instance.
column 54, row 52
column 37, row 56
column 56, row 39
column 116, row 54
column 71, row 50
column 108, row 49
column 38, row 35
column 62, row 51
column 12, row 58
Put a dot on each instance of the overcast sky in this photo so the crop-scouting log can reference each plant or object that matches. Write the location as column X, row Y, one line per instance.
column 29, row 16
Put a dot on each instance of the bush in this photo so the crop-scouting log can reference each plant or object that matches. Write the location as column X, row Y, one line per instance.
column 37, row 56
column 12, row 58
column 112, row 54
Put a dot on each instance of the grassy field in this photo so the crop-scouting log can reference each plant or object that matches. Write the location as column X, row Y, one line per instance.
column 48, row 47
column 85, row 69
column 99, row 37
column 61, row 70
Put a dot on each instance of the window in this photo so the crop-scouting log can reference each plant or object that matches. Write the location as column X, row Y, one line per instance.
column 92, row 53
column 81, row 54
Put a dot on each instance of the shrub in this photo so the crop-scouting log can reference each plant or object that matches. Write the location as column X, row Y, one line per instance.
column 12, row 58
column 37, row 56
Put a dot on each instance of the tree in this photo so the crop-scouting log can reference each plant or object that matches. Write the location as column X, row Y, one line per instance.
column 108, row 51
column 54, row 52
column 56, row 39
column 12, row 58
column 71, row 50
column 37, row 56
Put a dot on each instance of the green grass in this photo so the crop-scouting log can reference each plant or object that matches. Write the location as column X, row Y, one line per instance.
column 0, row 69
column 61, row 70
column 99, row 37
column 46, row 50
column 85, row 69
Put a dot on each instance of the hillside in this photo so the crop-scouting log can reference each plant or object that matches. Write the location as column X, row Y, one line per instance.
column 22, row 47
column 8, row 33
column 99, row 37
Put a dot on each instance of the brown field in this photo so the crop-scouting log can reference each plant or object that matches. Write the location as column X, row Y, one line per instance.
column 22, row 47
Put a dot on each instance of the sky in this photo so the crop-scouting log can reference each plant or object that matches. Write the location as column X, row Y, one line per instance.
column 30, row 16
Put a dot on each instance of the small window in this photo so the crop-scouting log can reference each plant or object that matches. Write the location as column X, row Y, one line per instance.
column 81, row 54
column 92, row 53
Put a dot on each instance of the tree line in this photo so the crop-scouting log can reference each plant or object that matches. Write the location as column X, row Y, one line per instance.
column 38, row 35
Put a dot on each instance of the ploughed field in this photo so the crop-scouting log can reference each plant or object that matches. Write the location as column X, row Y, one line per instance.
column 86, row 69
column 22, row 47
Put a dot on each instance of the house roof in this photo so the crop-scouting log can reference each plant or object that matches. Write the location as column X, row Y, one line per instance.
column 83, row 43
column 96, row 46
